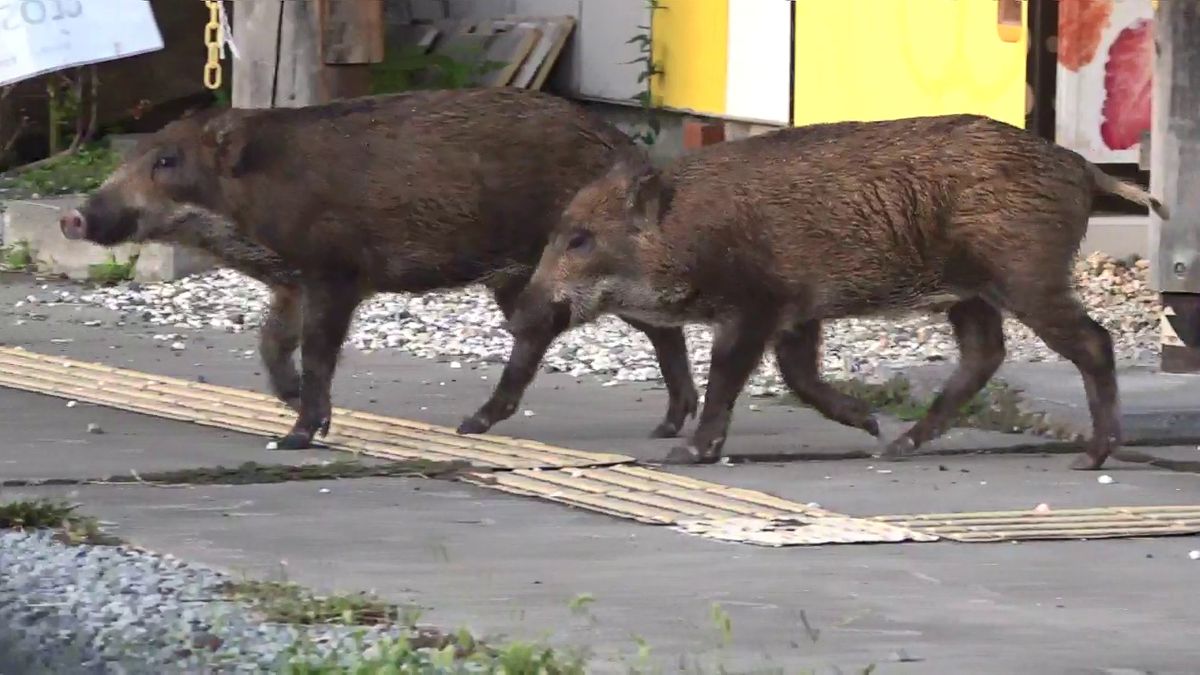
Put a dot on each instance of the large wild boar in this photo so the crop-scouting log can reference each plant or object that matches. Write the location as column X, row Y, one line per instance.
column 766, row 237
column 332, row 203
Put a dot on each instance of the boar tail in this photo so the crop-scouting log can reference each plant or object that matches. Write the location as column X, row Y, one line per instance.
column 1109, row 185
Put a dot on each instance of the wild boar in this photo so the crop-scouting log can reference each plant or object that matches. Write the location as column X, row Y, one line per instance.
column 332, row 203
column 767, row 237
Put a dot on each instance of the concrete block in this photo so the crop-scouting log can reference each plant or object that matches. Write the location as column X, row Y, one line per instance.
column 699, row 133
column 35, row 222
column 736, row 131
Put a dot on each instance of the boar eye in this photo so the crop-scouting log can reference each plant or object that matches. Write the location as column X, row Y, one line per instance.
column 579, row 240
column 166, row 161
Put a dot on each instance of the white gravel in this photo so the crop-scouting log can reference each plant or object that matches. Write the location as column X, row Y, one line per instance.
column 106, row 609
column 463, row 326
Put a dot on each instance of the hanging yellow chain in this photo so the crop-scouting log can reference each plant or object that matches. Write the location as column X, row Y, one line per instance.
column 214, row 38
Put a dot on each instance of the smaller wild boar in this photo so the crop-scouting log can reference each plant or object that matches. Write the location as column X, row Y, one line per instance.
column 329, row 204
column 766, row 237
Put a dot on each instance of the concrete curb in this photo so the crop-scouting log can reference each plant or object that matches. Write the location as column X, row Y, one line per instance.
column 35, row 222
column 1156, row 408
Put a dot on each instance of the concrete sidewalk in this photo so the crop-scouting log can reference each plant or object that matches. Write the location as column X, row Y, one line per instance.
column 510, row 565
column 507, row 565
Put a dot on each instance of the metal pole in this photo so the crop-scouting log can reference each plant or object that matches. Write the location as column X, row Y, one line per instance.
column 1175, row 179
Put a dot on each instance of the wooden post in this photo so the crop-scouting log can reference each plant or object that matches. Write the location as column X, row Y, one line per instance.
column 352, row 39
column 286, row 59
column 1175, row 177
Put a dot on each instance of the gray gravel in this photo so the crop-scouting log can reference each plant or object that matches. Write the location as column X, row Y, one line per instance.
column 106, row 609
column 464, row 326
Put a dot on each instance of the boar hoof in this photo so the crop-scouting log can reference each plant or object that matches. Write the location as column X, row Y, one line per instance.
column 295, row 441
column 473, row 425
column 665, row 430
column 685, row 454
column 898, row 449
column 871, row 426
column 1086, row 462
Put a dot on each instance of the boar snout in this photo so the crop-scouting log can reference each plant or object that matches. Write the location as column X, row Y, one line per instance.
column 73, row 225
column 101, row 220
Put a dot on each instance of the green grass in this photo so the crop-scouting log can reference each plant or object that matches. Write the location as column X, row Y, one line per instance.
column 16, row 258
column 460, row 654
column 110, row 272
column 81, row 171
column 285, row 602
column 43, row 514
column 410, row 68
column 997, row 408
column 419, row 651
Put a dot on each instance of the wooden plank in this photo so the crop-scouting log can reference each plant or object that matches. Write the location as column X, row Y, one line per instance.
column 509, row 47
column 554, row 33
column 352, row 31
column 300, row 81
column 563, row 27
column 254, row 26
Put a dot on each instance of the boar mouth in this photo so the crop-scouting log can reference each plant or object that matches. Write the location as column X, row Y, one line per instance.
column 112, row 231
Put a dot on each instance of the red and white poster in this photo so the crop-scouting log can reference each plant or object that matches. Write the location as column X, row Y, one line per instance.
column 1105, row 75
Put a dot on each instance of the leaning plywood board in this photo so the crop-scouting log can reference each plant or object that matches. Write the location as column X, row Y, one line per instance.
column 509, row 49
column 537, row 66
column 565, row 25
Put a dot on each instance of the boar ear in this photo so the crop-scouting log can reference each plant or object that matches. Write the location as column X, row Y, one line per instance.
column 649, row 198
column 229, row 140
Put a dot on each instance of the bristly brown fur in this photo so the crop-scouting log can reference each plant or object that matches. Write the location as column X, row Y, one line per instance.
column 406, row 192
column 767, row 237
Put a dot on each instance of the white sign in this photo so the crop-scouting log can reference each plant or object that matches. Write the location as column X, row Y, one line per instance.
column 41, row 36
column 1106, row 59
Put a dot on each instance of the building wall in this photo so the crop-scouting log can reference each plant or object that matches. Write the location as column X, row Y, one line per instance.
column 854, row 59
column 871, row 60
column 595, row 64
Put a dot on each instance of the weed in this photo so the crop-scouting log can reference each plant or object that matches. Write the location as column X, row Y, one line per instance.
column 997, row 408
column 580, row 603
column 650, row 69
column 723, row 623
column 410, row 68
column 43, row 514
column 252, row 473
column 111, row 272
column 16, row 258
column 285, row 602
column 449, row 655
column 78, row 172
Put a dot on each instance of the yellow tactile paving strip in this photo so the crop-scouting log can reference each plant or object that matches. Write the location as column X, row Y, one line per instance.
column 1096, row 523
column 600, row 482
column 252, row 412
column 696, row 507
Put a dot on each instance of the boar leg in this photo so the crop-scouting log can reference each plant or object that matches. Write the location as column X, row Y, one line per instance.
column 278, row 340
column 530, row 343
column 671, row 349
column 529, row 348
column 979, row 330
column 326, row 313
column 1060, row 320
column 797, row 353
column 737, row 350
